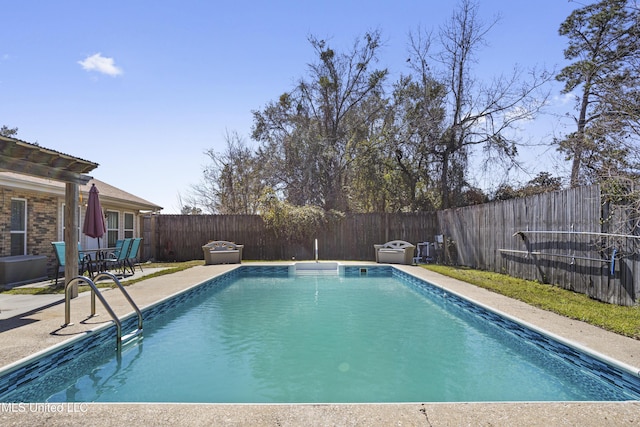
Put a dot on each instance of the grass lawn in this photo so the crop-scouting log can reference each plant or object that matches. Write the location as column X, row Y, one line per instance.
column 614, row 318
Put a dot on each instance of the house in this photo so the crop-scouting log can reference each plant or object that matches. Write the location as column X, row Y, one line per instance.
column 32, row 215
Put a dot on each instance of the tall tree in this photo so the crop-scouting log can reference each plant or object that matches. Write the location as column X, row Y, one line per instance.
column 542, row 183
column 8, row 132
column 373, row 185
column 478, row 115
column 231, row 183
column 419, row 104
column 604, row 49
column 310, row 136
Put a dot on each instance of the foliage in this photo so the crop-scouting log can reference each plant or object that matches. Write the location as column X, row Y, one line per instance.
column 311, row 134
column 604, row 49
column 190, row 210
column 297, row 224
column 541, row 183
column 232, row 183
column 620, row 197
column 8, row 132
column 618, row 319
column 344, row 138
column 374, row 186
column 420, row 111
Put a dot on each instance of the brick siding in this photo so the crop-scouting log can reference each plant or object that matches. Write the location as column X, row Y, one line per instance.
column 42, row 220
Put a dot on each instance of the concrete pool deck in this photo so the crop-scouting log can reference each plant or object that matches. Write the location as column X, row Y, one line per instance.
column 37, row 326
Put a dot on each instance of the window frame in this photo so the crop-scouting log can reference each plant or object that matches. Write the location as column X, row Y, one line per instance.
column 132, row 230
column 111, row 231
column 24, row 225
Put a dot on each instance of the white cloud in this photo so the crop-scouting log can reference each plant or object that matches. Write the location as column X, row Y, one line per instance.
column 100, row 64
column 565, row 98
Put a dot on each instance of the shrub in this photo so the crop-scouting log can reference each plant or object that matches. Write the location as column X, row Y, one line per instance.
column 296, row 224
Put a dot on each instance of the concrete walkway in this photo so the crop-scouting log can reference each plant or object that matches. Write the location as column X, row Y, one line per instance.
column 35, row 325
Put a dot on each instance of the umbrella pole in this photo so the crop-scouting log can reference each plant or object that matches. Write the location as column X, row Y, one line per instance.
column 98, row 254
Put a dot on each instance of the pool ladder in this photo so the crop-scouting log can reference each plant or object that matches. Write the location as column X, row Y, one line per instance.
column 94, row 291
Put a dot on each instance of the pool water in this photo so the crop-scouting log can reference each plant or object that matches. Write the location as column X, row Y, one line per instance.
column 321, row 339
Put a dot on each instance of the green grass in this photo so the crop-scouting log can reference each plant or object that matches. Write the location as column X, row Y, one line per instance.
column 614, row 318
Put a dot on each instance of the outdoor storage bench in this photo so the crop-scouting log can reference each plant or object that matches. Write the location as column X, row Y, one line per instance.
column 395, row 252
column 222, row 252
column 21, row 269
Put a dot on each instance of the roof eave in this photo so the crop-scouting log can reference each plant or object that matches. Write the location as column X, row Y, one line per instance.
column 31, row 159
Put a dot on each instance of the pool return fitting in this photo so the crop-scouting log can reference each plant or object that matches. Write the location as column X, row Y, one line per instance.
column 94, row 291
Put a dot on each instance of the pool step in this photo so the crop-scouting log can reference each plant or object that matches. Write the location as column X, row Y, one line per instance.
column 132, row 335
column 315, row 268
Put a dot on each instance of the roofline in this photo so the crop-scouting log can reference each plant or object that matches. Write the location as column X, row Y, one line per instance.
column 111, row 201
column 14, row 180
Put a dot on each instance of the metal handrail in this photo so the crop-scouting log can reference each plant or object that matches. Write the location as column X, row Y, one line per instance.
column 94, row 292
column 584, row 233
column 574, row 257
column 108, row 275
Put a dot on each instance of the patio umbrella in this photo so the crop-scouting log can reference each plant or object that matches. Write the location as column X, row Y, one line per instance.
column 94, row 225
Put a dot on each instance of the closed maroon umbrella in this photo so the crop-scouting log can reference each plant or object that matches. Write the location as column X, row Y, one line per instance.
column 94, row 225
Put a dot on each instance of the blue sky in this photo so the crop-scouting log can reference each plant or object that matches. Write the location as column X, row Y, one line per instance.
column 145, row 87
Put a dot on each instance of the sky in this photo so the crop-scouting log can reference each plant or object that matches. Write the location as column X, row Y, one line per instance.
column 145, row 87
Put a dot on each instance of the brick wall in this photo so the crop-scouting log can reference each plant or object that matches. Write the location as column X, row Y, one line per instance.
column 42, row 220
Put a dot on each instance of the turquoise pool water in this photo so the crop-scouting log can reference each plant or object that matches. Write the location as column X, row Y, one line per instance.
column 322, row 339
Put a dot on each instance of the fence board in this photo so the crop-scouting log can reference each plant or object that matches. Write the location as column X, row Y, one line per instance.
column 574, row 261
column 180, row 237
column 482, row 236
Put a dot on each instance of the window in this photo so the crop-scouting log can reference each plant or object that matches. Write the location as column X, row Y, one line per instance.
column 113, row 228
column 128, row 225
column 18, row 227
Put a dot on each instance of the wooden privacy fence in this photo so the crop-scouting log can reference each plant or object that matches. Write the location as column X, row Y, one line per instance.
column 556, row 238
column 180, row 237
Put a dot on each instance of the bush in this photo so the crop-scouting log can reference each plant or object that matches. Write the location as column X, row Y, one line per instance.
column 296, row 224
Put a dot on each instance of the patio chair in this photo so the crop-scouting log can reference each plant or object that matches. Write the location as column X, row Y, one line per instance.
column 59, row 251
column 117, row 249
column 132, row 258
column 119, row 260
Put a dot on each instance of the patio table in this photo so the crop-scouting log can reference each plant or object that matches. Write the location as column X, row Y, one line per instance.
column 96, row 259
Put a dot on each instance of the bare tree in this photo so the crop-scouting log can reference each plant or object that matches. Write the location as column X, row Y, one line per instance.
column 419, row 106
column 479, row 114
column 187, row 209
column 231, row 182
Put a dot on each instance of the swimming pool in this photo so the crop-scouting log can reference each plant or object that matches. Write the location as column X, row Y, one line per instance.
column 369, row 335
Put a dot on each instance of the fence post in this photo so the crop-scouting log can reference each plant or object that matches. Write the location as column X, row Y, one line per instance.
column 150, row 235
column 386, row 226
